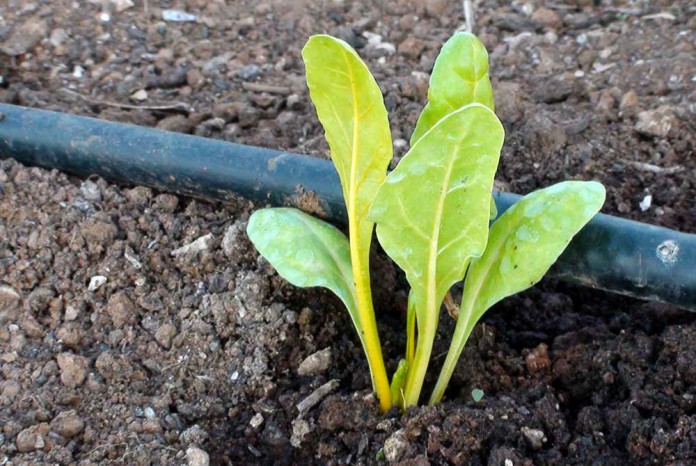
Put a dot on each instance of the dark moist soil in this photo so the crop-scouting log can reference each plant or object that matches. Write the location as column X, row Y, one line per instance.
column 184, row 356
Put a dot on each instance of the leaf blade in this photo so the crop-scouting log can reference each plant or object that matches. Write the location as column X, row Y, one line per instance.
column 307, row 252
column 351, row 109
column 523, row 244
column 459, row 78
column 515, row 258
column 453, row 167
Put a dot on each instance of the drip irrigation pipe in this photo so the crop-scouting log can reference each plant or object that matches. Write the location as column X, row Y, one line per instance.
column 610, row 253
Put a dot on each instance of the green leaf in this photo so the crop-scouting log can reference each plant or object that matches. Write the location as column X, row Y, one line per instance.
column 477, row 394
column 523, row 244
column 459, row 78
column 306, row 252
column 527, row 239
column 433, row 211
column 432, row 216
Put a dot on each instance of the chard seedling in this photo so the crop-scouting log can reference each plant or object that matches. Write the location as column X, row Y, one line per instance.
column 432, row 212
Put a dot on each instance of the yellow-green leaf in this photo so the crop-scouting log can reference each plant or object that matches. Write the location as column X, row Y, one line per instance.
column 351, row 109
column 432, row 216
column 433, row 211
column 459, row 78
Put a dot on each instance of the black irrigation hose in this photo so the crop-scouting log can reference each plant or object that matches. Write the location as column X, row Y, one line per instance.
column 610, row 253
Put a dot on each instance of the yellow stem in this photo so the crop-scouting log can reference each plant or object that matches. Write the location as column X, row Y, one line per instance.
column 373, row 348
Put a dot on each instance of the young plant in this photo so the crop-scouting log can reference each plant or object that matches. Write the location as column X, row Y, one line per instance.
column 432, row 212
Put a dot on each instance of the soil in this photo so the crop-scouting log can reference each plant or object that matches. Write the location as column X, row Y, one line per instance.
column 117, row 346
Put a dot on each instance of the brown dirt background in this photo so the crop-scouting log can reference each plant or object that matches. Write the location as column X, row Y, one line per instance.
column 179, row 358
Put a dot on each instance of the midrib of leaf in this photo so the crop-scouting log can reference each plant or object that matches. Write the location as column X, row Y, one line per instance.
column 435, row 238
column 416, row 373
column 359, row 252
column 476, row 78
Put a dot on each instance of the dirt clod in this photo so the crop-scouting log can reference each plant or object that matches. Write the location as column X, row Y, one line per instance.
column 73, row 369
column 67, row 424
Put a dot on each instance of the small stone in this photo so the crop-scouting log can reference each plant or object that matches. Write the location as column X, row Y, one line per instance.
column 628, row 100
column 9, row 304
column 164, row 335
column 300, row 429
column 249, row 72
column 538, row 359
column 139, row 195
column 294, row 102
column 547, row 18
column 435, row 8
column 67, row 424
column 121, row 5
column 152, row 426
column 553, row 91
column 132, row 259
column 178, row 16
column 167, row 202
column 199, row 245
column 194, row 435
column 10, row 391
column 509, row 99
column 230, row 242
column 214, row 123
column 73, row 369
column 71, row 313
column 29, row 440
column 139, row 95
column 249, row 116
column 98, row 234
column 194, row 78
column 24, row 37
column 606, row 102
column 58, row 37
column 316, row 363
column 96, row 282
column 656, row 123
column 645, row 203
column 535, row 438
column 213, row 65
column 316, row 396
column 197, row 457
column 396, row 447
column 90, row 191
column 176, row 123
column 256, row 421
